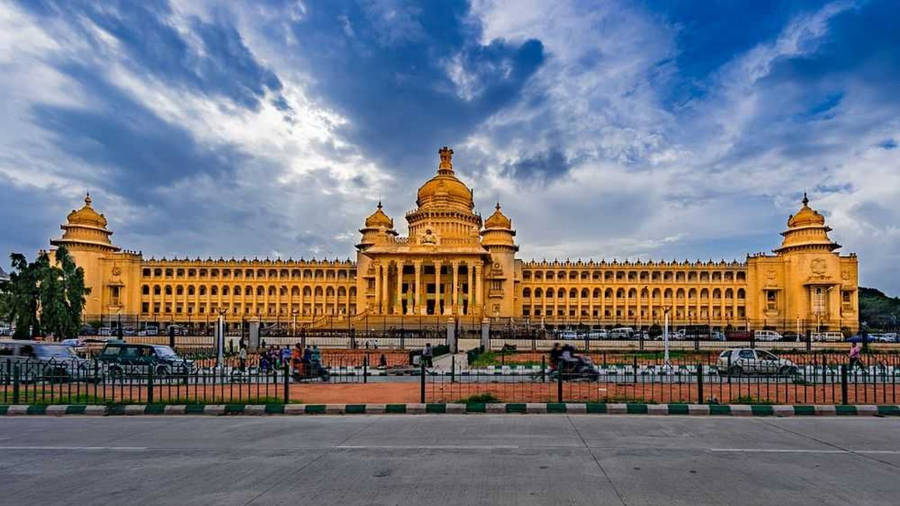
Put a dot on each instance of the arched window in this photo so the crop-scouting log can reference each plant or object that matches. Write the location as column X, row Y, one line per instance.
column 597, row 293
column 584, row 293
column 295, row 291
column 307, row 291
column 145, row 290
column 608, row 293
column 717, row 294
column 573, row 293
column 179, row 290
column 224, row 290
column 668, row 293
column 168, row 290
column 560, row 293
column 538, row 293
column 237, row 289
column 526, row 292
column 271, row 291
column 632, row 293
column 329, row 292
column 260, row 291
column 620, row 293
column 202, row 289
column 318, row 291
column 342, row 292
column 740, row 293
column 214, row 290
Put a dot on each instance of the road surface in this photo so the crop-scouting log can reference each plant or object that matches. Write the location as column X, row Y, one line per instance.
column 449, row 460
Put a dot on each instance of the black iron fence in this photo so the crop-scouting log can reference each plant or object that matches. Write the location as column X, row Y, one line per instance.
column 723, row 378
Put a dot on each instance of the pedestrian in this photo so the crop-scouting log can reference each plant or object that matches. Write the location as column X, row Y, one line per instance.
column 428, row 355
column 382, row 361
column 242, row 356
column 854, row 356
column 285, row 355
column 555, row 352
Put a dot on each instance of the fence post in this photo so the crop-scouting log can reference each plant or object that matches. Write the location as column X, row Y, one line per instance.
column 699, row 382
column 844, row 384
column 17, row 377
column 287, row 380
column 635, row 369
column 808, row 340
column 150, row 385
column 559, row 380
column 453, row 369
column 422, row 383
column 543, row 368
column 729, row 369
column 366, row 368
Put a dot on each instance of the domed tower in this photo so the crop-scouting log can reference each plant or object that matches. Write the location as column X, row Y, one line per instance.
column 378, row 230
column 807, row 281
column 85, row 230
column 110, row 274
column 444, row 212
column 497, row 237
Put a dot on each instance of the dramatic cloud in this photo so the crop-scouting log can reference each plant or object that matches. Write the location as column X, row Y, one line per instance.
column 653, row 129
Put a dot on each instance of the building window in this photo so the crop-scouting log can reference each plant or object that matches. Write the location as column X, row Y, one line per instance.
column 771, row 299
column 496, row 284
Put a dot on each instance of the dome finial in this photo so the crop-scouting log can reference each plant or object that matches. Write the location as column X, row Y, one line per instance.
column 379, row 204
column 805, row 199
column 87, row 199
column 497, row 207
column 446, row 155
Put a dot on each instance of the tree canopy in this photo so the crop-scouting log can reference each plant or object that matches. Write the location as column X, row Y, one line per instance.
column 44, row 296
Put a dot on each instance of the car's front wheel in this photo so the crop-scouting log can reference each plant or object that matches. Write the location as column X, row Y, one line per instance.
column 735, row 370
column 787, row 370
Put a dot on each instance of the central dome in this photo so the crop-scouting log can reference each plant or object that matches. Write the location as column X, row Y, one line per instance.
column 445, row 189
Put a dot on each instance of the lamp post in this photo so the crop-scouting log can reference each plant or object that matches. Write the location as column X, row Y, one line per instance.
column 220, row 339
column 666, row 335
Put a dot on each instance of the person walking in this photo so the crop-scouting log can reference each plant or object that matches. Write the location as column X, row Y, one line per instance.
column 555, row 353
column 428, row 355
column 854, row 356
column 242, row 356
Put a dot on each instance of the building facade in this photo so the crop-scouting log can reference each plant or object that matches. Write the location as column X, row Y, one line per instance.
column 453, row 263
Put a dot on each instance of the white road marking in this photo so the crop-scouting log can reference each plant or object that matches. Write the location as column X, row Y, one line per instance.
column 427, row 447
column 77, row 448
column 798, row 450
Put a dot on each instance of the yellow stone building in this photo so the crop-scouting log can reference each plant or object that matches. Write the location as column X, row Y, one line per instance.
column 454, row 263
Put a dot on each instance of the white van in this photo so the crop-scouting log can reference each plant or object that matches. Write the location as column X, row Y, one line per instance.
column 767, row 335
column 621, row 333
column 827, row 336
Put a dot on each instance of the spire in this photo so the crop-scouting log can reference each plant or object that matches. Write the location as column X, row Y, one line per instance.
column 497, row 207
column 379, row 204
column 87, row 199
column 805, row 199
column 446, row 165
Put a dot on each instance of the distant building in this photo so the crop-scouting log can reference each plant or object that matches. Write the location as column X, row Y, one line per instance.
column 453, row 263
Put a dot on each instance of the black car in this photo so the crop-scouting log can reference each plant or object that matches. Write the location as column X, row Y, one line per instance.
column 123, row 359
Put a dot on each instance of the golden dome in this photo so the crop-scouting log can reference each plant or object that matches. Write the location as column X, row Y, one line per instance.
column 379, row 219
column 445, row 187
column 87, row 216
column 497, row 220
column 806, row 216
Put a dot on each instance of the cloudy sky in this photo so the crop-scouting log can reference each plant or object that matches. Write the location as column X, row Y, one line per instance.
column 628, row 129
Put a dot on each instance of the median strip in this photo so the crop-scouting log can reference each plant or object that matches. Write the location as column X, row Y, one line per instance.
column 470, row 408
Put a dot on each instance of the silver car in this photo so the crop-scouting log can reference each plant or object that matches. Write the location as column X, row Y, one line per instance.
column 751, row 361
column 45, row 361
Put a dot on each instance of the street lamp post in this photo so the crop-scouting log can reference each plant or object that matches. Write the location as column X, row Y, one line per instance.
column 666, row 335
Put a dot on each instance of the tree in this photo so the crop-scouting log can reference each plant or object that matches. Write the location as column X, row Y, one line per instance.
column 44, row 297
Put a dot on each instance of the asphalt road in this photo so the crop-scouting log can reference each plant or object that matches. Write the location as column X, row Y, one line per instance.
column 448, row 460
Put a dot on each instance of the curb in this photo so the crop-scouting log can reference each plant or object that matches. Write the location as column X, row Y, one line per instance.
column 692, row 410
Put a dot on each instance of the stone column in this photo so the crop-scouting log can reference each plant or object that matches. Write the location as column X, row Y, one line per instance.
column 470, row 287
column 418, row 300
column 398, row 304
column 385, row 290
column 377, row 288
column 437, row 287
column 478, row 291
column 454, row 304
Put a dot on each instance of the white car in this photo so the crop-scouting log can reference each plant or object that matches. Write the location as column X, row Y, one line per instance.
column 568, row 335
column 740, row 361
column 621, row 333
column 827, row 336
column 597, row 334
column 767, row 335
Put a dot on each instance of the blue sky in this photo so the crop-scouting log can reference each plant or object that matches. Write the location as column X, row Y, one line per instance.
column 652, row 129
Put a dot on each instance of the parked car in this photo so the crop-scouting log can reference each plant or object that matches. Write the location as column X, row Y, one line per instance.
column 567, row 334
column 736, row 362
column 124, row 359
column 44, row 361
column 621, row 333
column 717, row 335
column 827, row 336
column 738, row 335
column 149, row 331
column 598, row 334
column 767, row 335
column 105, row 331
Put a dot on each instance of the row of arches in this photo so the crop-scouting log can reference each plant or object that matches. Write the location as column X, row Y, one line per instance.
column 645, row 276
column 632, row 293
column 203, row 272
column 248, row 290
